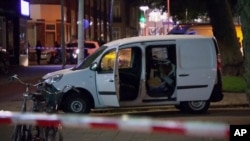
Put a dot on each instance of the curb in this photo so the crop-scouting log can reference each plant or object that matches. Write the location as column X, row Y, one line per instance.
column 229, row 105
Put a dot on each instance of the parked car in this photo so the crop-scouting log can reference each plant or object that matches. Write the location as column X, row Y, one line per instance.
column 45, row 55
column 73, row 51
column 180, row 70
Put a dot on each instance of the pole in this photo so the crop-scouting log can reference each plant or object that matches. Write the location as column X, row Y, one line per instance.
column 80, row 32
column 62, row 36
column 155, row 29
column 168, row 15
column 168, row 1
column 111, row 20
column 186, row 13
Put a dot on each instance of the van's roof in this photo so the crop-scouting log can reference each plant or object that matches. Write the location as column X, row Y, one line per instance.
column 154, row 38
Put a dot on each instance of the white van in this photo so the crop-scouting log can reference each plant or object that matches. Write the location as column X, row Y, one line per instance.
column 180, row 70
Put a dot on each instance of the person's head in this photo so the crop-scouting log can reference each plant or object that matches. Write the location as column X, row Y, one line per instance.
column 56, row 44
column 38, row 43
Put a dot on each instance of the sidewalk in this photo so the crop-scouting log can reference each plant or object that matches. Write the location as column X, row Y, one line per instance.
column 31, row 72
column 232, row 100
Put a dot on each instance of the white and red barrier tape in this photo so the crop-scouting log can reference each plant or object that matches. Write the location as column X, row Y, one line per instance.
column 53, row 48
column 126, row 123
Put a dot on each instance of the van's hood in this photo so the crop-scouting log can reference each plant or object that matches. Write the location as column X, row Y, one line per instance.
column 64, row 71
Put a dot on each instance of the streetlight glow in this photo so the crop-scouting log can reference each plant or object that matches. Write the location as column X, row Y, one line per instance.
column 142, row 20
column 144, row 8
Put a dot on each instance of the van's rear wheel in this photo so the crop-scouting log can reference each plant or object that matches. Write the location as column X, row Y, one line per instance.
column 195, row 107
column 77, row 104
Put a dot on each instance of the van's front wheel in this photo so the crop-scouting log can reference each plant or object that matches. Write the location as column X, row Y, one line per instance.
column 195, row 107
column 78, row 105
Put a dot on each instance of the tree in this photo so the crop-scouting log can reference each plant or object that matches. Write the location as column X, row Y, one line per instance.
column 224, row 30
column 244, row 11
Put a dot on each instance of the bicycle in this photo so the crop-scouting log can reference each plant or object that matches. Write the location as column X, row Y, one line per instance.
column 42, row 101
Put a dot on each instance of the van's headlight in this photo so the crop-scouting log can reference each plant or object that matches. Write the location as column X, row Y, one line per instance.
column 77, row 51
column 53, row 79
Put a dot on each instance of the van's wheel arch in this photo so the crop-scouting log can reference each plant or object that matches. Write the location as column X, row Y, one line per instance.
column 195, row 107
column 76, row 102
column 177, row 106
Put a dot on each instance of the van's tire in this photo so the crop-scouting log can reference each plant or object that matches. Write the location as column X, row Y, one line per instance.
column 195, row 107
column 78, row 104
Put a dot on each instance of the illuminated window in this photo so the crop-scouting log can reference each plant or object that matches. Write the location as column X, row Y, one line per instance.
column 107, row 62
column 124, row 58
column 25, row 8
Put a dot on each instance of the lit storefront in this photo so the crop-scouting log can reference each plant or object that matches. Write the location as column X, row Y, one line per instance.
column 13, row 21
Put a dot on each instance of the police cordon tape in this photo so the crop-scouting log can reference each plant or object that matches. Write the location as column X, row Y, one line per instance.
column 53, row 48
column 124, row 123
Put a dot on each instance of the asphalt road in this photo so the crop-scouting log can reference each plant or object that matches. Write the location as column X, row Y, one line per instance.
column 234, row 116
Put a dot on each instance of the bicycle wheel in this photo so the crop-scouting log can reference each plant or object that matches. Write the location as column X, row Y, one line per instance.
column 35, row 133
column 16, row 136
column 21, row 133
column 53, row 134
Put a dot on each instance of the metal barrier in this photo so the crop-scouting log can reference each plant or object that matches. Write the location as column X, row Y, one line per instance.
column 125, row 123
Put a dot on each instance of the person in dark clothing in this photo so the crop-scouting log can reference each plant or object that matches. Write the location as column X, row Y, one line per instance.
column 70, row 51
column 38, row 51
column 71, row 46
column 101, row 42
column 56, row 57
column 58, row 48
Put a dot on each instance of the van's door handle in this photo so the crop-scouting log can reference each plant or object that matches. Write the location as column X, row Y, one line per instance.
column 183, row 75
column 111, row 80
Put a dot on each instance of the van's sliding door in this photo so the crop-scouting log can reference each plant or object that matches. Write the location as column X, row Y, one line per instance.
column 196, row 70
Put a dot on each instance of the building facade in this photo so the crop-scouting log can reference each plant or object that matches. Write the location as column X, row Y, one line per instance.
column 22, row 26
column 45, row 23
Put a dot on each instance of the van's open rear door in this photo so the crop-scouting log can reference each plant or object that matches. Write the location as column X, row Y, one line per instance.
column 107, row 79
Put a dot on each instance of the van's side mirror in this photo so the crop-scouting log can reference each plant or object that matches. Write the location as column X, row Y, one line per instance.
column 94, row 66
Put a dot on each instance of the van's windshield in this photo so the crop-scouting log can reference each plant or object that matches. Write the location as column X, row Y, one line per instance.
column 89, row 60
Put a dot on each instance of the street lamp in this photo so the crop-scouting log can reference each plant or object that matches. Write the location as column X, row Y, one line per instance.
column 142, row 20
column 168, row 6
column 142, row 26
column 144, row 8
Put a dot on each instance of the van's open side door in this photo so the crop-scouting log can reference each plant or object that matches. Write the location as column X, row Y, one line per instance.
column 107, row 79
